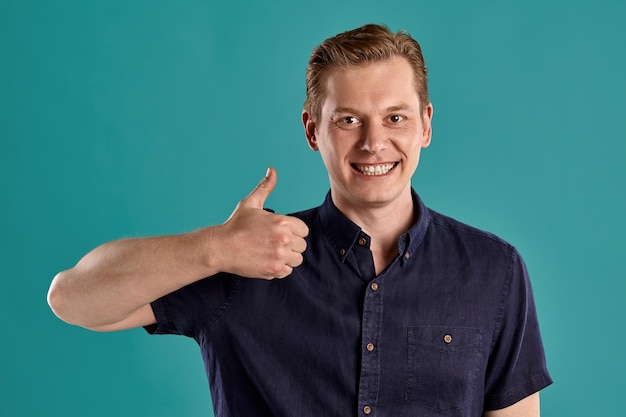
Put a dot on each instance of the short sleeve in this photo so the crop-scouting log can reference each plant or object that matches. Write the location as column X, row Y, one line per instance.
column 517, row 364
column 194, row 307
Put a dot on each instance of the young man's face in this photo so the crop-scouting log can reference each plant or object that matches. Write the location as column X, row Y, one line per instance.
column 370, row 133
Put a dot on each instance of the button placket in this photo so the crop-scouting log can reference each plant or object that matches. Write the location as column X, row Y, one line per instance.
column 370, row 360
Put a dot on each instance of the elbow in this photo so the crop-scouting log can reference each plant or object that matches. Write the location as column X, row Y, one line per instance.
column 68, row 303
column 58, row 298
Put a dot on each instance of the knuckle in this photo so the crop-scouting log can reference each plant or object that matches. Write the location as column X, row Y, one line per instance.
column 276, row 255
column 283, row 240
column 274, row 269
column 280, row 220
column 279, row 239
column 285, row 272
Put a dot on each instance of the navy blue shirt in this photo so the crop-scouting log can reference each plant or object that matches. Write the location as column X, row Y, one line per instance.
column 448, row 328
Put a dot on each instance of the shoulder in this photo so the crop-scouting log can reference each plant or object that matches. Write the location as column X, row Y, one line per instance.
column 458, row 239
column 309, row 214
column 452, row 228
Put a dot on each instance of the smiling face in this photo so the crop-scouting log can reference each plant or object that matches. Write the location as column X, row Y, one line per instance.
column 370, row 133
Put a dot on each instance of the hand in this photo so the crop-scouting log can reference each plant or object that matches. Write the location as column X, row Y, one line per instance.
column 255, row 243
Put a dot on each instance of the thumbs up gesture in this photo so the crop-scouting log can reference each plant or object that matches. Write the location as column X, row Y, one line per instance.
column 256, row 243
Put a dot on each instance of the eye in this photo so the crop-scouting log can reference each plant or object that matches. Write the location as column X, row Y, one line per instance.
column 396, row 118
column 349, row 122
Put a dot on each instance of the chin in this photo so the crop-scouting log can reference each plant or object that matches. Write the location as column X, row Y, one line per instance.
column 377, row 198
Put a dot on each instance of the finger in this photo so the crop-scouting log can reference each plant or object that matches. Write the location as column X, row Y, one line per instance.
column 295, row 260
column 298, row 227
column 298, row 245
column 285, row 272
column 257, row 197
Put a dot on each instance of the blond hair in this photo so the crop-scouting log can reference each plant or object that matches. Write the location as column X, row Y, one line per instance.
column 367, row 44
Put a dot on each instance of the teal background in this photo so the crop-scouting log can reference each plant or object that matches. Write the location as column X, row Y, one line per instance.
column 135, row 118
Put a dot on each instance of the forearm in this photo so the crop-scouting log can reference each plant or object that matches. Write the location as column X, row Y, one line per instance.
column 115, row 279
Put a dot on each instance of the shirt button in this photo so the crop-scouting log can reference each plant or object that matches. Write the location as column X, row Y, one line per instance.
column 407, row 255
column 447, row 338
column 374, row 286
column 342, row 251
column 367, row 409
column 362, row 241
column 369, row 347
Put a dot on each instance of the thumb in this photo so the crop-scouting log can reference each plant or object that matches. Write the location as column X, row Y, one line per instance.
column 257, row 197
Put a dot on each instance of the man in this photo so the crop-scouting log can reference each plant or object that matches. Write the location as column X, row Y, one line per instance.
column 386, row 307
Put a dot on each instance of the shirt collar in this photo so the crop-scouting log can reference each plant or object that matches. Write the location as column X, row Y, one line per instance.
column 343, row 233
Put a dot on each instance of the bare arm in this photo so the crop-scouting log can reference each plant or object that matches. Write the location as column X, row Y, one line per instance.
column 527, row 407
column 112, row 286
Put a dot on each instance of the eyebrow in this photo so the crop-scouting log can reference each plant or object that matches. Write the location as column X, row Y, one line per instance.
column 399, row 107
column 343, row 110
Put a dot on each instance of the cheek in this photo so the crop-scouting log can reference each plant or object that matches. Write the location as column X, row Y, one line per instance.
column 338, row 145
column 330, row 155
column 413, row 153
column 409, row 142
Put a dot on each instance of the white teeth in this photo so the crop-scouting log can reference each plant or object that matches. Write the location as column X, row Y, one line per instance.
column 375, row 169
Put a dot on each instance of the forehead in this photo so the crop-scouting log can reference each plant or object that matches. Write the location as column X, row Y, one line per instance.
column 373, row 85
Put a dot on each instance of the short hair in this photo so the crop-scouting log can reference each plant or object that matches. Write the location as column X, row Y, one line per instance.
column 367, row 44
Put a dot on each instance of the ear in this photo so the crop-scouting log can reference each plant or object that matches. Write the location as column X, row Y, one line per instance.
column 309, row 130
column 427, row 127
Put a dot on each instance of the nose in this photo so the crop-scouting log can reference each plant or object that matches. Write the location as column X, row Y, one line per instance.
column 373, row 139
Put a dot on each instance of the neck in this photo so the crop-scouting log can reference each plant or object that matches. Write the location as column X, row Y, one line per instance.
column 384, row 224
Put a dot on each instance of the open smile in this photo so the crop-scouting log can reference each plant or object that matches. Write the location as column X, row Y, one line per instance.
column 375, row 169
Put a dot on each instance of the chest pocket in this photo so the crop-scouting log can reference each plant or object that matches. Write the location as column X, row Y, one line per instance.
column 443, row 364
